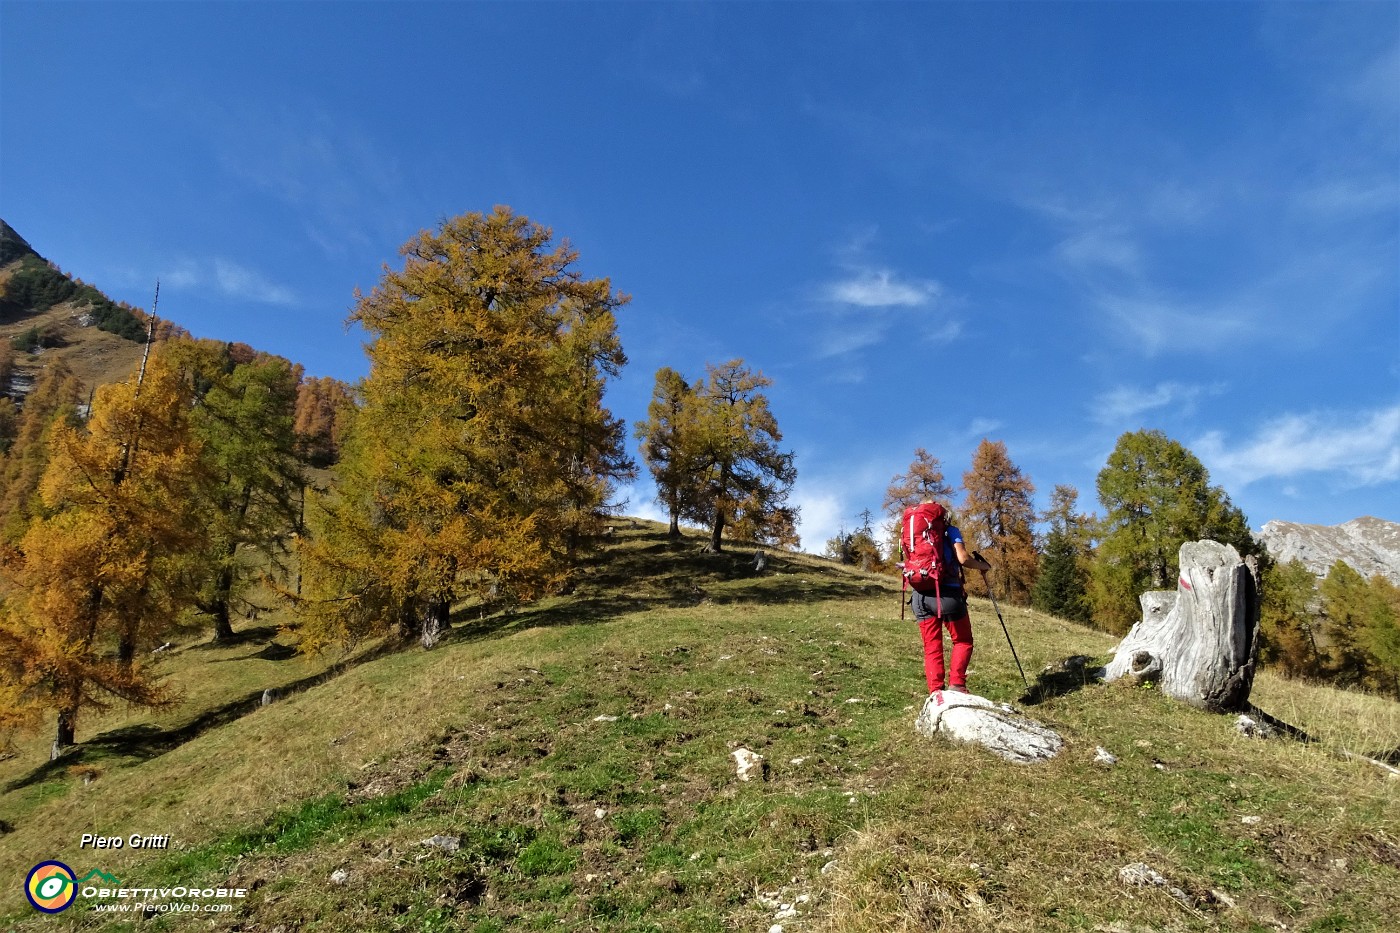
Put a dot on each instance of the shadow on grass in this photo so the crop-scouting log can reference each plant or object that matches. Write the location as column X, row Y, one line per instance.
column 656, row 572
column 272, row 651
column 146, row 741
column 260, row 633
column 1063, row 677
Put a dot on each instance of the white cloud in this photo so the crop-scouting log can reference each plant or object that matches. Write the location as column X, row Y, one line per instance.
column 982, row 427
column 839, row 341
column 1101, row 248
column 823, row 514
column 1378, row 83
column 1125, row 403
column 183, row 275
column 1344, row 198
column 237, row 282
column 881, row 288
column 639, row 501
column 330, row 171
column 228, row 279
column 1363, row 448
column 1156, row 323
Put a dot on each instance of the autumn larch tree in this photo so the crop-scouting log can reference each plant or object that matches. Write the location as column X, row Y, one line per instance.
column 55, row 400
column 998, row 516
column 590, row 441
column 665, row 449
column 322, row 411
column 480, row 443
column 923, row 482
column 104, row 570
column 1156, row 496
column 1287, row 620
column 742, row 478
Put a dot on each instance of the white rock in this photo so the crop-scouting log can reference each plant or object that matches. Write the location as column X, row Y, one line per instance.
column 1140, row 875
column 1253, row 729
column 829, row 867
column 445, row 843
column 1251, row 820
column 1143, row 876
column 599, row 813
column 1103, row 755
column 749, row 764
column 967, row 717
column 605, row 718
column 340, row 876
column 788, row 914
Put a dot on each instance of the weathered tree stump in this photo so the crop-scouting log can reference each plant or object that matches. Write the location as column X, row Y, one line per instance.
column 1200, row 643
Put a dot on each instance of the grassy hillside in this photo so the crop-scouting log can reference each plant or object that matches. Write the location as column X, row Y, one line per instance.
column 572, row 760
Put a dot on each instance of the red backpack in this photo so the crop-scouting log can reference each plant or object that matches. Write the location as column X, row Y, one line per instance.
column 923, row 538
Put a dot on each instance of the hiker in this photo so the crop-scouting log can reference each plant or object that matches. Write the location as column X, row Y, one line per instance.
column 934, row 560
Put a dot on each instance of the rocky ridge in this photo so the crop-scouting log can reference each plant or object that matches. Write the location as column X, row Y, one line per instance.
column 1368, row 545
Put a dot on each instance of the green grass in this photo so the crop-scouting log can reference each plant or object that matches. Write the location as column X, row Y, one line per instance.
column 579, row 752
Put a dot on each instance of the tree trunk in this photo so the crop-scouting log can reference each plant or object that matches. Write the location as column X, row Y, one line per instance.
column 674, row 531
column 1201, row 643
column 223, row 595
column 67, row 730
column 436, row 620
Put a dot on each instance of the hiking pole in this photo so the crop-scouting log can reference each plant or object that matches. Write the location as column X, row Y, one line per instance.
column 903, row 582
column 903, row 586
column 997, row 609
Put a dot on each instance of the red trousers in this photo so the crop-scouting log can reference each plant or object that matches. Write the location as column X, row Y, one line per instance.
column 960, row 630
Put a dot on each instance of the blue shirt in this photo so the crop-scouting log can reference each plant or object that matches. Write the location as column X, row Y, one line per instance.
column 950, row 554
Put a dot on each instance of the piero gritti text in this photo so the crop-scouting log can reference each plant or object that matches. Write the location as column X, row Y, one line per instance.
column 134, row 841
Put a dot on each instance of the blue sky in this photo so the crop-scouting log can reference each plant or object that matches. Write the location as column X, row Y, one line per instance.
column 1040, row 223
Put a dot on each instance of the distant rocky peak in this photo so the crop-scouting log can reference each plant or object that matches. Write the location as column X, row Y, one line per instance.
column 1368, row 545
column 12, row 245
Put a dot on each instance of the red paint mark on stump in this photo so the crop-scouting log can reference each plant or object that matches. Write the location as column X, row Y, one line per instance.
column 1185, row 584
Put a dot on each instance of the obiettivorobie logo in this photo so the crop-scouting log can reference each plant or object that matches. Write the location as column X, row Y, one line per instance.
column 52, row 887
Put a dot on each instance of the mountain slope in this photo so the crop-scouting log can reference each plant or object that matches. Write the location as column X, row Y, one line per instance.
column 1369, row 545
column 569, row 766
column 52, row 317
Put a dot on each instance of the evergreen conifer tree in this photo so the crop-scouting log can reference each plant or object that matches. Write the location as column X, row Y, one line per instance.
column 1157, row 496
